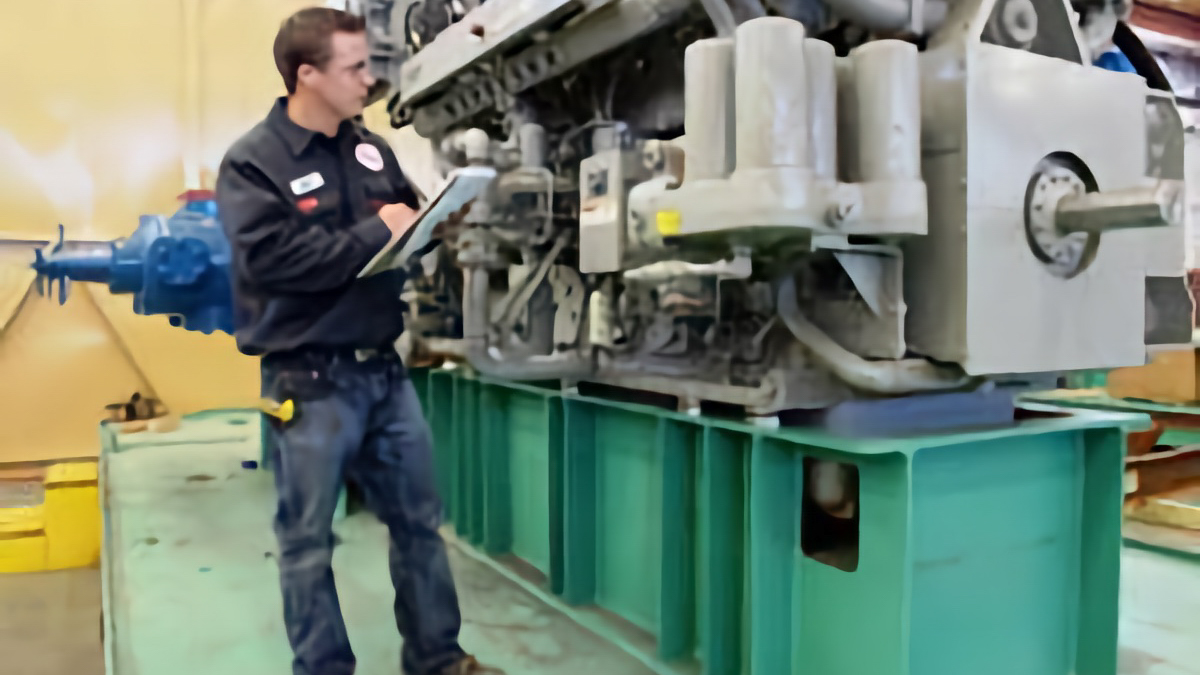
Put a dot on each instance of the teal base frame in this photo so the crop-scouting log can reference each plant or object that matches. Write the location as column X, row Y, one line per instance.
column 990, row 552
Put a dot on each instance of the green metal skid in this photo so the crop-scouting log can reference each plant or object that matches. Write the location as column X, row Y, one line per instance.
column 994, row 552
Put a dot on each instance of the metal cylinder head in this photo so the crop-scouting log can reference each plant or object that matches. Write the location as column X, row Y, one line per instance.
column 476, row 145
column 888, row 95
column 771, row 83
column 708, row 108
column 820, row 59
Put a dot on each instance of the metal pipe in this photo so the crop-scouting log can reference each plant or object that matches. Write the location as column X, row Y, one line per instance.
column 632, row 375
column 737, row 268
column 531, row 139
column 517, row 301
column 890, row 16
column 488, row 360
column 721, row 16
column 881, row 377
column 1094, row 212
column 443, row 346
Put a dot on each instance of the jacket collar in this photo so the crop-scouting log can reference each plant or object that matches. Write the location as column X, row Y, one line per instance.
column 297, row 137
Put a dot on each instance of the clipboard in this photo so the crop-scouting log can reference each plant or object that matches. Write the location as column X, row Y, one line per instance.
column 464, row 185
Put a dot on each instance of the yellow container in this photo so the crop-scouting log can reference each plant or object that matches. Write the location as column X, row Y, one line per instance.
column 49, row 517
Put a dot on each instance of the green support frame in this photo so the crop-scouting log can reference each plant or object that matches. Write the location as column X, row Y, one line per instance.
column 991, row 553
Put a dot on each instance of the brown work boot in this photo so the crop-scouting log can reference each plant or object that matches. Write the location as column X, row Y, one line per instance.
column 469, row 666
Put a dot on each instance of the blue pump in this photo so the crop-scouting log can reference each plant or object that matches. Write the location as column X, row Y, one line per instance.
column 1115, row 60
column 177, row 266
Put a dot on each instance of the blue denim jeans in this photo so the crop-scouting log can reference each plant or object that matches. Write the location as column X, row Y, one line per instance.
column 360, row 422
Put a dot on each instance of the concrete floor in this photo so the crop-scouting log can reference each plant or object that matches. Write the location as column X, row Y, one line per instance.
column 194, row 587
column 50, row 623
column 1160, row 614
column 195, row 581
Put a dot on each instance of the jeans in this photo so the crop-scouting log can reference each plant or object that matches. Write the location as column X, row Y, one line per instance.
column 360, row 422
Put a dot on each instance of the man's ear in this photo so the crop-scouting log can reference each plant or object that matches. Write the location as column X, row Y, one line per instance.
column 306, row 72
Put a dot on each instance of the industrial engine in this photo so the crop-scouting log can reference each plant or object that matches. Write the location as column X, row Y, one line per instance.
column 779, row 206
column 791, row 204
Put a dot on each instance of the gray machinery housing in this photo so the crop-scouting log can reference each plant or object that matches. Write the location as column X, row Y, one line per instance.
column 792, row 204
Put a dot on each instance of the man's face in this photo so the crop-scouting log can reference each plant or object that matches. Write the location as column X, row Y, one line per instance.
column 344, row 82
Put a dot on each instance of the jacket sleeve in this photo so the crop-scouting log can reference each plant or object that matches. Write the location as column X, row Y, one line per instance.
column 278, row 253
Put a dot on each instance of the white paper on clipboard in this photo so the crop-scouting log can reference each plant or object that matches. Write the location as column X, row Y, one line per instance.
column 464, row 185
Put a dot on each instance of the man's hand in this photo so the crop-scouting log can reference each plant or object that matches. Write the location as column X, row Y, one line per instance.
column 453, row 220
column 398, row 218
column 457, row 217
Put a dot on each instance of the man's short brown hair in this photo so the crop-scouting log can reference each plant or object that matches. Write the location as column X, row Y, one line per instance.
column 306, row 38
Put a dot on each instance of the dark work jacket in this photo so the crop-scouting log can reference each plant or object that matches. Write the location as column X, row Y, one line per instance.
column 300, row 210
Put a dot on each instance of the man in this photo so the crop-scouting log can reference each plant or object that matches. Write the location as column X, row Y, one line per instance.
column 307, row 198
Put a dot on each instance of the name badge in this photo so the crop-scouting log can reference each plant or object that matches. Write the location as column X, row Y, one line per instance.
column 369, row 156
column 307, row 183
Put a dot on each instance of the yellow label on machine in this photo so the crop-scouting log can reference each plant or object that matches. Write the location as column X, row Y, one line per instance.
column 670, row 223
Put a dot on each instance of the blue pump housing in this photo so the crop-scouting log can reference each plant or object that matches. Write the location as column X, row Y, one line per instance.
column 177, row 266
column 1115, row 60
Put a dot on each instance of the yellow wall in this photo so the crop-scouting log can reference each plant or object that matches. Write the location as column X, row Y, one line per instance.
column 132, row 102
